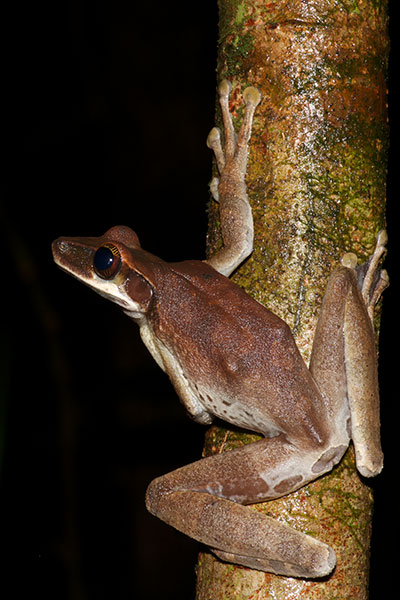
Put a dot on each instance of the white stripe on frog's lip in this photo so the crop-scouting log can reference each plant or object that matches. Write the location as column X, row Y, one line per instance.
column 108, row 289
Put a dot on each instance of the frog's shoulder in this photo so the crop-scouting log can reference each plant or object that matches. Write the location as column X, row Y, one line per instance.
column 216, row 289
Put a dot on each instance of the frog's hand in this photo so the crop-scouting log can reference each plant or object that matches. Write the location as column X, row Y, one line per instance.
column 206, row 500
column 230, row 189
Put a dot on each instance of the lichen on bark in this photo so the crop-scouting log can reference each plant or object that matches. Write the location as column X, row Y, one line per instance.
column 316, row 181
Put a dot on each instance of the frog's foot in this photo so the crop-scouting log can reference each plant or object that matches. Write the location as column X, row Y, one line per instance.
column 372, row 280
column 231, row 160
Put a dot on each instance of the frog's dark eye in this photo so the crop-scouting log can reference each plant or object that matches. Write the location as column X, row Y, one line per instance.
column 107, row 261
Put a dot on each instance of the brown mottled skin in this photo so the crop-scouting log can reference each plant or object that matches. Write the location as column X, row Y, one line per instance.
column 256, row 353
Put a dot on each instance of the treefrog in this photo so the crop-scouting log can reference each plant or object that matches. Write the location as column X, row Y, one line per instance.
column 229, row 357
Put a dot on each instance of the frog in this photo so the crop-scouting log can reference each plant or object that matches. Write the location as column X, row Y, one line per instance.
column 229, row 357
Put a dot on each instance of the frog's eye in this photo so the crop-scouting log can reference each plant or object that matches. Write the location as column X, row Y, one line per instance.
column 107, row 261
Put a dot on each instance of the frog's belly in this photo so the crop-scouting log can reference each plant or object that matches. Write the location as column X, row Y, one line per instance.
column 236, row 412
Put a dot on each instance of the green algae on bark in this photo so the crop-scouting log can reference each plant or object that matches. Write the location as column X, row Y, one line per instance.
column 316, row 182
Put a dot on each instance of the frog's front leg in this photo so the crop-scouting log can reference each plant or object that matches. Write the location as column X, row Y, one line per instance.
column 230, row 189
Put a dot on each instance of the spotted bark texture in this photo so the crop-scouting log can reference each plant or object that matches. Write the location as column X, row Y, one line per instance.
column 316, row 181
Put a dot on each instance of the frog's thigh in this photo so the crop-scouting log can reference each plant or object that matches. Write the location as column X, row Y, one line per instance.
column 205, row 500
column 344, row 365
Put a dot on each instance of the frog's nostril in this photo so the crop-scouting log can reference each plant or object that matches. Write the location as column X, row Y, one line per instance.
column 62, row 246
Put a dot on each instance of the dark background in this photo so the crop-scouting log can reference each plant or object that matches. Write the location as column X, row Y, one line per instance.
column 106, row 107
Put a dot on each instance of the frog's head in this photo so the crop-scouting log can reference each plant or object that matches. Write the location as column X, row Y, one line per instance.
column 114, row 265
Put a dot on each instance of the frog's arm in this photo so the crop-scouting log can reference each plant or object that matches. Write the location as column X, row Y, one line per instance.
column 230, row 189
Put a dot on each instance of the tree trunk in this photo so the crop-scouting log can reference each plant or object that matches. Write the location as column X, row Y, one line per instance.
column 316, row 181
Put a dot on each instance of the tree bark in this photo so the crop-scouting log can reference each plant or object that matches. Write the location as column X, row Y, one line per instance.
column 316, row 180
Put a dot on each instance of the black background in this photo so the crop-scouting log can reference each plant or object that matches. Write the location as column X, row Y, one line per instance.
column 106, row 107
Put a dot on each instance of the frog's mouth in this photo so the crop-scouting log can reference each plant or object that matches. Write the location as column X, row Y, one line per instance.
column 76, row 258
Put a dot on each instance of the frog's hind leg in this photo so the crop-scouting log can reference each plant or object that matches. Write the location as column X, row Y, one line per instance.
column 343, row 360
column 207, row 501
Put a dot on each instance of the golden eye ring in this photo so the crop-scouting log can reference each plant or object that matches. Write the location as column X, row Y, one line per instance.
column 107, row 261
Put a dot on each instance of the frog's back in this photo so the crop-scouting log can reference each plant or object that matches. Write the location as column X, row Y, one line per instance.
column 220, row 295
column 233, row 348
column 200, row 304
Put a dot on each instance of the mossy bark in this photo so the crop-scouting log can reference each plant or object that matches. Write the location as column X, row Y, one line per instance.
column 316, row 181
